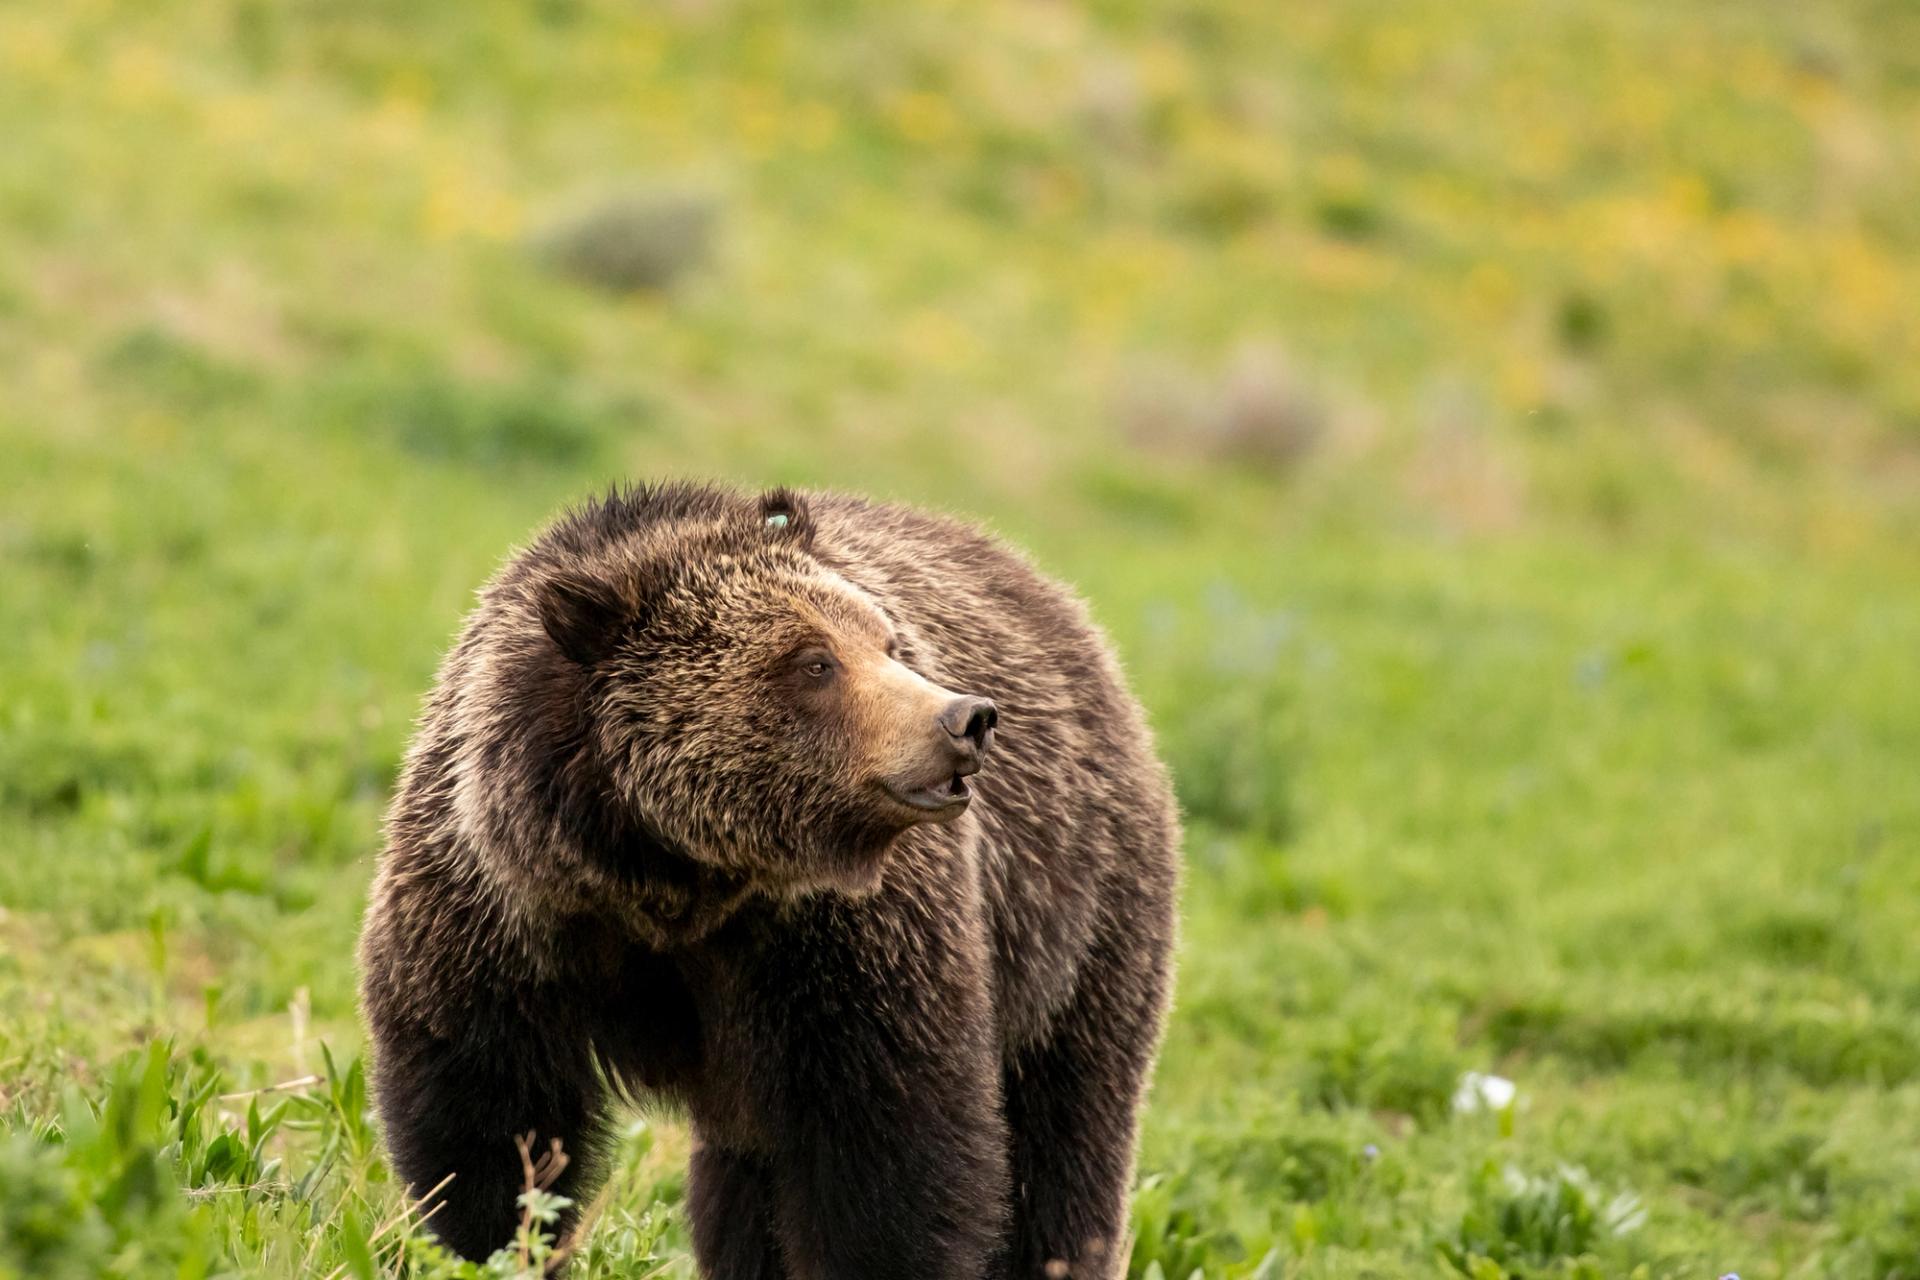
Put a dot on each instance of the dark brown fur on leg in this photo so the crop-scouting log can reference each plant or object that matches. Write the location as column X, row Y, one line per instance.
column 730, row 1202
column 456, row 1095
column 1072, row 1107
column 870, row 1095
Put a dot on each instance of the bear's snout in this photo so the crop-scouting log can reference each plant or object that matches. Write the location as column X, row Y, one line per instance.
column 969, row 723
column 951, row 749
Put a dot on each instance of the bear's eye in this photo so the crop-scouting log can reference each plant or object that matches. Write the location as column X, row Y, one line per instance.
column 816, row 665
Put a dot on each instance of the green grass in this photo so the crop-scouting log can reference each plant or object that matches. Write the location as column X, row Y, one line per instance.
column 1490, row 432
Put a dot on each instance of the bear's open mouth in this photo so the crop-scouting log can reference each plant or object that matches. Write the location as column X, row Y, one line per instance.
column 951, row 794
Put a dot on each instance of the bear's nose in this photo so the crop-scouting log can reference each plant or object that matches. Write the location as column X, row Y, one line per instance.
column 969, row 724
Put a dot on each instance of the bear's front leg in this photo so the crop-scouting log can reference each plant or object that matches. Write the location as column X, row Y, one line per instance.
column 1072, row 1101
column 730, row 1200
column 875, row 1079
column 466, row 1060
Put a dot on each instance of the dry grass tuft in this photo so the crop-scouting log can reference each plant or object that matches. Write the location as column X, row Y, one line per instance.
column 1258, row 410
column 632, row 241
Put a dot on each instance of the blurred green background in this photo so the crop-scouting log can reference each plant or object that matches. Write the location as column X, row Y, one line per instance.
column 1490, row 432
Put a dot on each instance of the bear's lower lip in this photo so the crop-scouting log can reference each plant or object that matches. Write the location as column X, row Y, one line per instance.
column 953, row 794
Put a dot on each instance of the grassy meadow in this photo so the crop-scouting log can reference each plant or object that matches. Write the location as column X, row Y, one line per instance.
column 1489, row 431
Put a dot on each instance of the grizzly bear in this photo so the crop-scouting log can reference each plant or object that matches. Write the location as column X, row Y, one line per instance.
column 828, row 823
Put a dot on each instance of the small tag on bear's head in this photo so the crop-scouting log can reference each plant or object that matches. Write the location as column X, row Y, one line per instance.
column 784, row 512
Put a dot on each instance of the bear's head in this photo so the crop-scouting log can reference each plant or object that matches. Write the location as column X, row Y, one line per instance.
column 692, row 677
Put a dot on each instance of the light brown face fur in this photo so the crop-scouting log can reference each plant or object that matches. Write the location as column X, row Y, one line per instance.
column 889, row 715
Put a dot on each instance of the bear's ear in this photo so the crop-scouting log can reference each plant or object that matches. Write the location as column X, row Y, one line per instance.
column 583, row 614
column 785, row 515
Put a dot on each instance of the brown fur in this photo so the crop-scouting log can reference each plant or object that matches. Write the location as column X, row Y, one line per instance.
column 648, row 836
